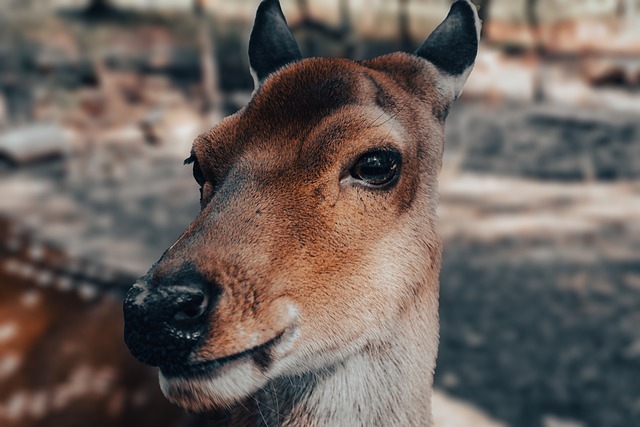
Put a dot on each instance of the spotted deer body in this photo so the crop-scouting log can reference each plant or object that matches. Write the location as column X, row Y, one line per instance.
column 306, row 291
column 62, row 359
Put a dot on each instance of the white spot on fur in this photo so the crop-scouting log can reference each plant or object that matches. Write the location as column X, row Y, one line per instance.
column 36, row 251
column 16, row 405
column 26, row 271
column 8, row 331
column 83, row 383
column 64, row 284
column 12, row 266
column 87, row 291
column 9, row 364
column 44, row 278
column 30, row 299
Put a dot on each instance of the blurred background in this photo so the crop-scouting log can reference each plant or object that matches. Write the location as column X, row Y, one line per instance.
column 540, row 288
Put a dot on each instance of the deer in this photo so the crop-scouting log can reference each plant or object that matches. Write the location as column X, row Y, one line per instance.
column 62, row 358
column 305, row 292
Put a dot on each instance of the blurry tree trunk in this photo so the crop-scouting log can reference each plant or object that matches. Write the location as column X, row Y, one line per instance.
column 484, row 12
column 531, row 13
column 303, row 6
column 307, row 43
column 627, row 12
column 345, row 15
column 367, row 24
column 346, row 26
column 404, row 25
column 310, row 28
column 208, row 62
column 533, row 21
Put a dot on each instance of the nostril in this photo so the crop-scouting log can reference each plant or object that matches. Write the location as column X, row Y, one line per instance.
column 165, row 320
column 192, row 309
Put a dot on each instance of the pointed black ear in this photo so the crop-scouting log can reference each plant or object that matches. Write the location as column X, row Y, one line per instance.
column 453, row 46
column 271, row 45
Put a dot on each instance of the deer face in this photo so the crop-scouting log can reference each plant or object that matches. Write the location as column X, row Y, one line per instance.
column 317, row 223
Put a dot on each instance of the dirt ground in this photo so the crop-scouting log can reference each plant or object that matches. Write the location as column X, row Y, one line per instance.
column 540, row 298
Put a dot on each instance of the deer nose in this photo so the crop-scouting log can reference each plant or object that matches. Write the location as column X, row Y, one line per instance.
column 164, row 324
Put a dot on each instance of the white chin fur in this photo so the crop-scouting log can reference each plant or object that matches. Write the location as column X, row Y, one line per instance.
column 223, row 389
column 232, row 382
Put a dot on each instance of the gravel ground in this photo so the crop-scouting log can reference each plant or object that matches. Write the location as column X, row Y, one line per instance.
column 540, row 286
column 537, row 329
column 547, row 142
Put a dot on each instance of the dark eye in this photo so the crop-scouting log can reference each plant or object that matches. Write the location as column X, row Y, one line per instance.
column 377, row 167
column 197, row 174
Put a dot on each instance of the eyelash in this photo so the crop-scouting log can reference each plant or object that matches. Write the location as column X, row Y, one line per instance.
column 197, row 172
column 198, row 175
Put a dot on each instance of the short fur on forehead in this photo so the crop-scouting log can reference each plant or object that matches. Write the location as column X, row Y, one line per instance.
column 299, row 96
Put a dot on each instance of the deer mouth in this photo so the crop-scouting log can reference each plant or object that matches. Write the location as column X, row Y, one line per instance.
column 261, row 355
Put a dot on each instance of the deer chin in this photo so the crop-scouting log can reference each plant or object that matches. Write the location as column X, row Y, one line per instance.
column 204, row 386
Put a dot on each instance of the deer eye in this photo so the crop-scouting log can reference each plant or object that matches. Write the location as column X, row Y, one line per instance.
column 197, row 174
column 377, row 168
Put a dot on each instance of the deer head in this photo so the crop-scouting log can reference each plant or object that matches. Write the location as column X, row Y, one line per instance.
column 316, row 241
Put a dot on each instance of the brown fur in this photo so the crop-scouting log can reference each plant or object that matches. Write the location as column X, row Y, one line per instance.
column 283, row 157
column 279, row 229
column 325, row 287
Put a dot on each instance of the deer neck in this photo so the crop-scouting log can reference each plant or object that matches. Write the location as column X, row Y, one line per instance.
column 385, row 384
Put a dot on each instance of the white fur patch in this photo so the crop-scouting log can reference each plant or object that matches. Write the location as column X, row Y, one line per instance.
column 9, row 364
column 83, row 383
column 232, row 383
column 256, row 81
column 8, row 331
column 30, row 299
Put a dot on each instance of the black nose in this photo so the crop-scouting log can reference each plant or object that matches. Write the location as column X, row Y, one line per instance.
column 166, row 321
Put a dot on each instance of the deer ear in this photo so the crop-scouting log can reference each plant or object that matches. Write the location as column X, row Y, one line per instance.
column 453, row 46
column 271, row 45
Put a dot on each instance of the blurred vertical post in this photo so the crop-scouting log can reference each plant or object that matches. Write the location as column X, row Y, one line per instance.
column 346, row 26
column 404, row 25
column 533, row 22
column 309, row 47
column 208, row 63
column 367, row 25
column 303, row 6
column 484, row 11
column 629, row 10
